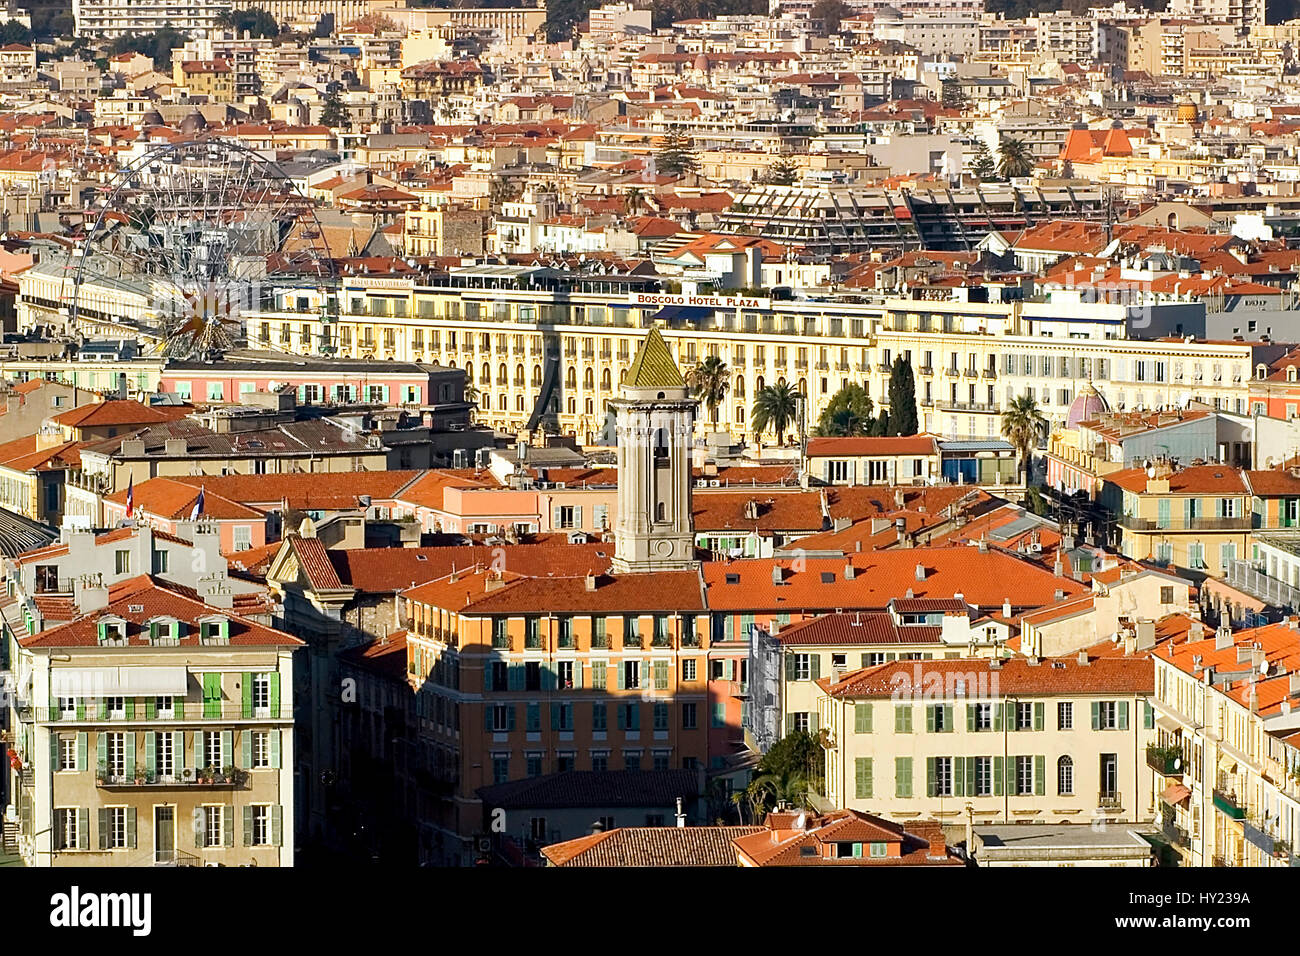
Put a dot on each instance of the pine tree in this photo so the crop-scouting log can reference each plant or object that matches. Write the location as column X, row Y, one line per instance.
column 983, row 166
column 335, row 114
column 677, row 157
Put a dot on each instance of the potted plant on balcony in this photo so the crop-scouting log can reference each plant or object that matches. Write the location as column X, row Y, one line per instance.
column 141, row 776
column 207, row 774
column 228, row 773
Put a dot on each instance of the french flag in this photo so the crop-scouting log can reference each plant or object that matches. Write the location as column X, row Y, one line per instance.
column 198, row 506
column 130, row 497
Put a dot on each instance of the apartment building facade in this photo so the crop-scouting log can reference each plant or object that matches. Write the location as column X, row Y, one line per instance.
column 154, row 731
column 1015, row 740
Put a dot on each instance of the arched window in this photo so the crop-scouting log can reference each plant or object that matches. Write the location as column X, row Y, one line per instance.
column 484, row 343
column 1261, row 371
column 740, row 386
column 589, row 379
column 487, row 374
column 591, row 407
column 758, row 384
column 503, row 374
column 604, row 380
column 519, row 375
column 537, row 375
column 659, row 511
column 571, row 377
column 469, row 373
column 1065, row 777
column 501, row 403
column 573, row 406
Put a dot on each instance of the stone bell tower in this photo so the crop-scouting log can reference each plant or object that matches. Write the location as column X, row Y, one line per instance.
column 654, row 417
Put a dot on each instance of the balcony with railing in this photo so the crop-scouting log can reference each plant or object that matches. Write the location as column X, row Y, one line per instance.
column 1228, row 803
column 1244, row 576
column 206, row 777
column 954, row 406
column 1166, row 761
column 1109, row 800
column 1183, row 523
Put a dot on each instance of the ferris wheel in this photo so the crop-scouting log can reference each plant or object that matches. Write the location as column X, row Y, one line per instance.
column 190, row 236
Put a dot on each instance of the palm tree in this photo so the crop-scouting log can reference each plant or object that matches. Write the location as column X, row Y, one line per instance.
column 1023, row 424
column 1015, row 158
column 775, row 406
column 785, row 789
column 709, row 381
column 632, row 202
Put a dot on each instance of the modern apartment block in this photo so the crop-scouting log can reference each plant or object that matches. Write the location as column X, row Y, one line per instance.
column 154, row 731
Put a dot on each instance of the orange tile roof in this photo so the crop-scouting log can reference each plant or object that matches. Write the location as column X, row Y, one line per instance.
column 1014, row 676
column 650, row 592
column 173, row 499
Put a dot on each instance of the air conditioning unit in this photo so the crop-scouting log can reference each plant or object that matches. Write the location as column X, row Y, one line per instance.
column 188, row 774
column 715, row 482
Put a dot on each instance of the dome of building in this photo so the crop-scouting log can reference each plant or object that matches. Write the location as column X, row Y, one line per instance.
column 1087, row 405
column 194, row 123
column 152, row 118
column 1187, row 112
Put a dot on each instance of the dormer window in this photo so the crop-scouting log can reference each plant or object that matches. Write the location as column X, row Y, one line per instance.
column 1290, row 373
column 112, row 632
column 214, row 630
column 164, row 631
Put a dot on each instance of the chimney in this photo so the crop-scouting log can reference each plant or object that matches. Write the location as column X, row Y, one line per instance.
column 848, row 572
column 1196, row 632
column 1058, row 569
column 1006, row 608
column 591, row 582
column 1146, row 635
column 920, row 572
column 983, row 545
column 776, row 574
column 1083, row 658
column 958, row 596
column 1223, row 637
column 681, row 816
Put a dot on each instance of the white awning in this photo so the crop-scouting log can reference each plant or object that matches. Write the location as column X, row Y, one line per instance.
column 118, row 681
column 1169, row 724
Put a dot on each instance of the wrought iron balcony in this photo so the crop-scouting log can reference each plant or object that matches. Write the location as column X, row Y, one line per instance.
column 206, row 777
column 1166, row 761
column 1228, row 803
column 1109, row 799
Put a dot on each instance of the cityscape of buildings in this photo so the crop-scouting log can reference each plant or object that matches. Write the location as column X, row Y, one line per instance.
column 585, row 435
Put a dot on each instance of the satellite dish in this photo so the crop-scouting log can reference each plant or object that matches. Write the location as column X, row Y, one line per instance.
column 1178, row 763
column 1263, row 666
column 1151, row 472
column 800, row 821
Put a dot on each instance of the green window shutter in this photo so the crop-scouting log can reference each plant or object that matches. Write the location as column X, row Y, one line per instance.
column 227, row 748
column 81, row 751
column 274, row 738
column 970, row 776
column 555, row 716
column 947, row 718
column 1010, row 717
column 515, row 676
column 275, row 694
column 598, row 675
column 1148, row 715
column 103, row 708
column 178, row 707
column 101, row 756
column 277, row 825
column 510, row 716
column 903, row 718
column 862, row 718
column 128, row 763
column 130, row 708
column 150, row 753
column 929, row 719
column 577, row 675
column 178, row 749
column 83, row 828
column 246, row 748
column 789, row 667
column 548, row 677
column 1096, row 715
column 789, row 724
column 248, row 826
column 81, row 709
column 102, row 827
column 1039, row 711
column 130, row 828
column 902, row 777
column 487, row 718
column 211, row 695
column 814, row 723
column 228, row 825
column 862, row 773
column 661, row 675
column 150, row 708
column 998, row 767
column 865, row 658
column 970, row 718
column 200, row 759
column 929, row 777
column 959, row 776
column 246, row 705
column 815, row 661
column 1123, row 715
column 997, row 716
column 1040, row 775
column 622, row 676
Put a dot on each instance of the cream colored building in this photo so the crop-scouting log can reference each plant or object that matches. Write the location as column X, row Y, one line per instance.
column 156, row 731
column 1050, row 740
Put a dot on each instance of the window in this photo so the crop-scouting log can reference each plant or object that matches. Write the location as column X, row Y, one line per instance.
column 67, row 708
column 68, row 831
column 160, row 561
column 68, row 752
column 803, row 667
column 164, row 754
column 243, row 537
column 983, row 717
column 1110, row 715
column 261, row 756
column 261, row 695
column 1024, row 781
column 1065, row 777
column 690, row 720
column 939, row 718
column 122, row 562
column 564, row 674
column 631, row 674
column 115, row 708
column 500, row 768
column 1024, row 716
column 212, row 749
column 259, row 825
column 501, row 717
column 1065, row 715
column 112, row 823
column 1166, row 595
column 942, row 777
column 500, row 633
column 983, row 776
column 212, row 826
column 599, row 764
column 688, row 669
